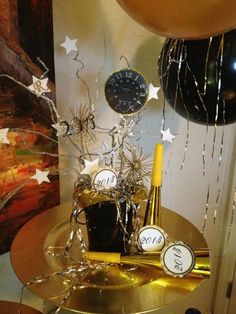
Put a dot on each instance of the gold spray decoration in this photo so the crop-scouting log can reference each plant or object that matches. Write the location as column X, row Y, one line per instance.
column 136, row 164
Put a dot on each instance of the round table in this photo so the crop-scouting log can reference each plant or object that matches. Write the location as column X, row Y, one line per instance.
column 52, row 228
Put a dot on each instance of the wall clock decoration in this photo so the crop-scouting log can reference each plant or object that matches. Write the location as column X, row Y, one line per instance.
column 126, row 91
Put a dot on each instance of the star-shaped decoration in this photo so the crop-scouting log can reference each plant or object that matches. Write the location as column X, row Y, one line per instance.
column 61, row 128
column 167, row 136
column 39, row 86
column 3, row 136
column 41, row 176
column 152, row 92
column 90, row 166
column 69, row 45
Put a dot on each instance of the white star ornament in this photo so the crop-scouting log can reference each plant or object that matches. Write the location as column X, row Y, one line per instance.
column 41, row 176
column 167, row 136
column 69, row 45
column 90, row 166
column 39, row 86
column 152, row 92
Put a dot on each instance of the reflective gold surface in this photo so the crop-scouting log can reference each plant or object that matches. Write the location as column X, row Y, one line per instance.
column 136, row 290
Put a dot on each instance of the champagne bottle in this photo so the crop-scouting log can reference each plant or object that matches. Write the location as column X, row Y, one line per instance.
column 152, row 237
column 177, row 259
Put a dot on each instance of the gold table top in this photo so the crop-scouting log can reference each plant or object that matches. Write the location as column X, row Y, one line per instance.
column 13, row 308
column 52, row 227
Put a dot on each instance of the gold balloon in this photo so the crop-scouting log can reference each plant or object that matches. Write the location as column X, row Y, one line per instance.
column 183, row 19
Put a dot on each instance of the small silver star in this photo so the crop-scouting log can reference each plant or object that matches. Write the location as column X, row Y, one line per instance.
column 90, row 166
column 167, row 136
column 3, row 136
column 152, row 92
column 69, row 44
column 41, row 176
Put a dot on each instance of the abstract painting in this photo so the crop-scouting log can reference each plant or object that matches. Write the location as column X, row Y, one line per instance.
column 26, row 50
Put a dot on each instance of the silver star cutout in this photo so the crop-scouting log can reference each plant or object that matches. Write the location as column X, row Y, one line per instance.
column 152, row 92
column 69, row 44
column 167, row 136
column 39, row 86
column 41, row 176
column 61, row 128
column 3, row 136
column 90, row 166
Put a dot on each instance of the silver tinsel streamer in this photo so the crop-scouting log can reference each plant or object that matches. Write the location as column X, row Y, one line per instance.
column 44, row 66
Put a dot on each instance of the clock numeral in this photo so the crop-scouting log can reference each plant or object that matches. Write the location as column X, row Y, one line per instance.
column 111, row 81
column 129, row 74
column 142, row 94
column 136, row 78
column 143, row 86
column 119, row 76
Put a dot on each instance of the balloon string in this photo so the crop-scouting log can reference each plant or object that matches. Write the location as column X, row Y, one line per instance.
column 219, row 163
column 232, row 217
column 105, row 53
column 186, row 145
column 172, row 56
column 103, row 64
column 206, row 66
column 183, row 49
column 204, row 153
column 207, row 119
column 160, row 61
column 216, row 206
column 163, row 120
column 206, row 210
column 221, row 50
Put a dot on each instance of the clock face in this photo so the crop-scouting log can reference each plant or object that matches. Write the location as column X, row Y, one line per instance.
column 126, row 91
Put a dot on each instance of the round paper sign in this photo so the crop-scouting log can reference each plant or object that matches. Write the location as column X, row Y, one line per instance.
column 177, row 259
column 105, row 179
column 151, row 238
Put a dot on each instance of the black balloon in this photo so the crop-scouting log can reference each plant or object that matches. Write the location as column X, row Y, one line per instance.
column 198, row 78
